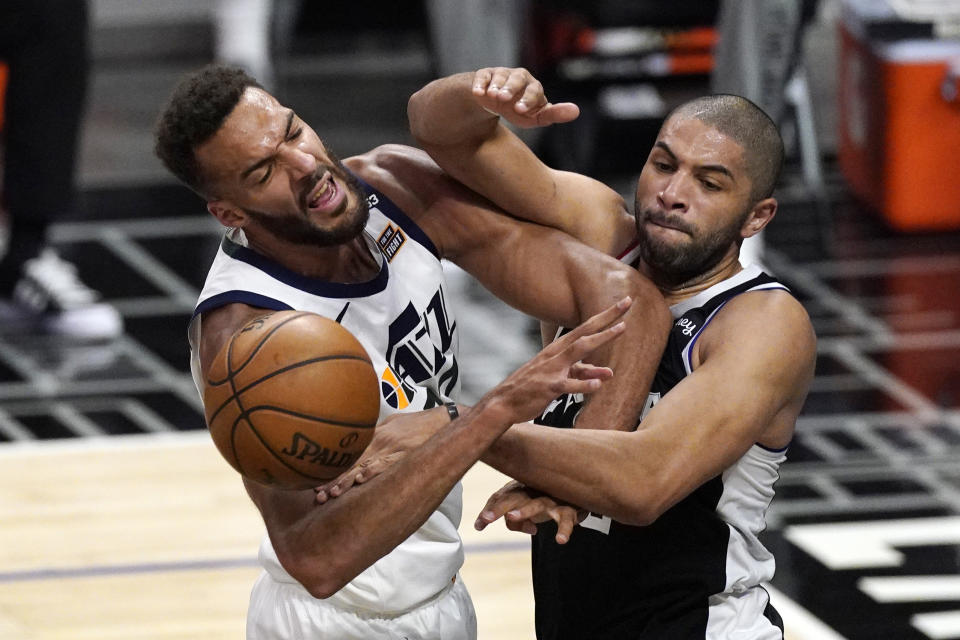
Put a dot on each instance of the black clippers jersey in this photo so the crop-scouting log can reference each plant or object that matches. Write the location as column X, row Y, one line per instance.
column 662, row 581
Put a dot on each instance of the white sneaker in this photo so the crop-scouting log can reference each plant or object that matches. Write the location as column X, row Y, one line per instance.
column 51, row 297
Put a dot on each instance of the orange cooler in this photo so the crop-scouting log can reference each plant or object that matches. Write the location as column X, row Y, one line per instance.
column 899, row 118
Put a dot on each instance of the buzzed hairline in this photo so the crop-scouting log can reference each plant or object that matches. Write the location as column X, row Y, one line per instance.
column 750, row 127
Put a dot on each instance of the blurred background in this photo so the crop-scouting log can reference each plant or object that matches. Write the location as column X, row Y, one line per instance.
column 116, row 517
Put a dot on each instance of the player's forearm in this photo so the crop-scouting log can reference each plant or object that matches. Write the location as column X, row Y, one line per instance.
column 328, row 545
column 604, row 472
column 635, row 356
column 444, row 112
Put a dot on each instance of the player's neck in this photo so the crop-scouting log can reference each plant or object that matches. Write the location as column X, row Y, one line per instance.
column 676, row 292
column 349, row 262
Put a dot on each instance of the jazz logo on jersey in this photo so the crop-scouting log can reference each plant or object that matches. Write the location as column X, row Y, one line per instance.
column 396, row 392
column 390, row 241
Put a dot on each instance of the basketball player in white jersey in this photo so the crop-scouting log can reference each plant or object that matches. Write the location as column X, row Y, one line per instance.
column 670, row 549
column 360, row 241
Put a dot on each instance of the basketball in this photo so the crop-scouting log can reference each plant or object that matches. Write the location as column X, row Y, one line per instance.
column 291, row 400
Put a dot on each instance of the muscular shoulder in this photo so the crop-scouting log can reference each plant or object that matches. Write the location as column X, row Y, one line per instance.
column 767, row 323
column 404, row 174
column 447, row 211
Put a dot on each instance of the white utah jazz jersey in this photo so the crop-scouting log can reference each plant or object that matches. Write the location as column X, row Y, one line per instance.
column 402, row 320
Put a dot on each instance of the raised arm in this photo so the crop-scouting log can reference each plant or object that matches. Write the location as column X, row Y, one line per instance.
column 456, row 120
column 326, row 546
column 538, row 270
column 755, row 365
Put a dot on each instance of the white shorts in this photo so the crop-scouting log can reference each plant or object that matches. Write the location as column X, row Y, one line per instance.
column 283, row 611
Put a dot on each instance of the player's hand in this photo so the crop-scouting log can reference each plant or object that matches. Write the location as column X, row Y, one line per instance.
column 518, row 96
column 558, row 368
column 393, row 438
column 522, row 509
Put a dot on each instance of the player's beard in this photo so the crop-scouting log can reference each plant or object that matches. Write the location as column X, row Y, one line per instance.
column 676, row 264
column 298, row 228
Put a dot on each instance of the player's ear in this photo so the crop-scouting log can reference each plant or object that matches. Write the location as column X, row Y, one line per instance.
column 759, row 217
column 227, row 213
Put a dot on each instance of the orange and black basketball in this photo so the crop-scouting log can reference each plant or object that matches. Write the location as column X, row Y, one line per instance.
column 291, row 400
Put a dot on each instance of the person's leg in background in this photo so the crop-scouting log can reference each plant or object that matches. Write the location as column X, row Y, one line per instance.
column 44, row 44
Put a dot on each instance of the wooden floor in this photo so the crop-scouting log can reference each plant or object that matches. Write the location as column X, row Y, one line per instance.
column 153, row 537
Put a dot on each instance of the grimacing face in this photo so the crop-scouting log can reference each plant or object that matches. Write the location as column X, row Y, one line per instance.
column 272, row 173
column 692, row 200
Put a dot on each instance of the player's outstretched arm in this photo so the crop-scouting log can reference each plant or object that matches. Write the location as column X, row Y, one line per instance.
column 755, row 364
column 326, row 546
column 456, row 120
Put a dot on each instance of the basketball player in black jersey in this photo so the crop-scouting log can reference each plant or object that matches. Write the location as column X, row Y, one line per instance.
column 670, row 547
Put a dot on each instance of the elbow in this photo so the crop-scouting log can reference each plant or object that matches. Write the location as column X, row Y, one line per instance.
column 639, row 508
column 413, row 117
column 647, row 299
column 323, row 589
column 638, row 515
column 317, row 575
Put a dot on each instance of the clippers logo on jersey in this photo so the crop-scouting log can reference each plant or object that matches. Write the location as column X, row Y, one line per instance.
column 689, row 326
column 390, row 241
column 419, row 353
column 396, row 392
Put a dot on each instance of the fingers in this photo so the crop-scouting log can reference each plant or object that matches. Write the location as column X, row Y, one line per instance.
column 585, row 345
column 507, row 498
column 556, row 113
column 361, row 472
column 566, row 518
column 586, row 371
column 526, row 517
column 499, row 87
column 338, row 485
column 593, row 325
column 481, row 80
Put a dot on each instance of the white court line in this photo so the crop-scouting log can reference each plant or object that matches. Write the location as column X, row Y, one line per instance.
column 939, row 626
column 799, row 624
column 126, row 442
column 911, row 588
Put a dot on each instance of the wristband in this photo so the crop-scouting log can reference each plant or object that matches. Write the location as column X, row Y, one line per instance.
column 452, row 410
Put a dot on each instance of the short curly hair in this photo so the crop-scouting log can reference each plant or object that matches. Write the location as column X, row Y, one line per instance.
column 195, row 112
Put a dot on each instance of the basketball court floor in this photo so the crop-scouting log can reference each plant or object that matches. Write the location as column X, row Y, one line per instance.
column 119, row 520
